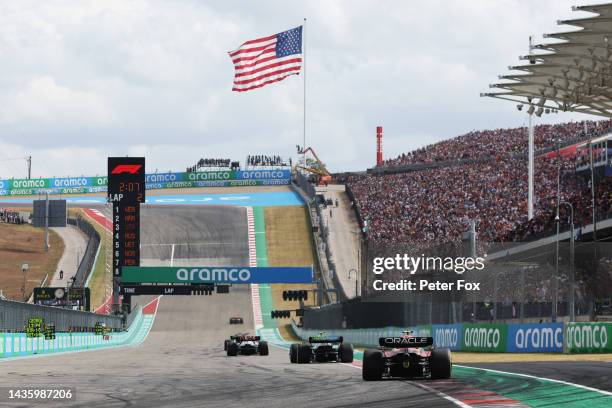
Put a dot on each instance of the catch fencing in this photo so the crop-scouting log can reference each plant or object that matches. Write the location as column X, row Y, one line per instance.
column 93, row 242
column 14, row 317
column 359, row 314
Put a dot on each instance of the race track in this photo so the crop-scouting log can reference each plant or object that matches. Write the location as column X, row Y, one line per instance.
column 182, row 362
column 595, row 374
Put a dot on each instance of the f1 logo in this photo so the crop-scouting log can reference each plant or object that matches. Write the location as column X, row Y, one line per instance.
column 126, row 168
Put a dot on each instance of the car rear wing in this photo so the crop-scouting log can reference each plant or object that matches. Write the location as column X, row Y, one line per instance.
column 405, row 342
column 329, row 339
column 248, row 338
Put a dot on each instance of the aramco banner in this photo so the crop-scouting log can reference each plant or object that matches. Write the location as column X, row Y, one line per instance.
column 589, row 337
column 216, row 274
column 484, row 337
column 80, row 185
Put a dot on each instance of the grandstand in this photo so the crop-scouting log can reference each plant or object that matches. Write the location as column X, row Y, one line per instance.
column 425, row 200
column 430, row 195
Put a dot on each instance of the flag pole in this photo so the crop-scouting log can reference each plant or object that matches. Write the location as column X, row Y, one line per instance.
column 304, row 102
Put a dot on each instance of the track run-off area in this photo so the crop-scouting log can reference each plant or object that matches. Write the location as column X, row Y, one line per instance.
column 180, row 361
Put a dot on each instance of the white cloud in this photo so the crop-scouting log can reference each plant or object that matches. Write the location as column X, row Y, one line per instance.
column 82, row 80
column 44, row 102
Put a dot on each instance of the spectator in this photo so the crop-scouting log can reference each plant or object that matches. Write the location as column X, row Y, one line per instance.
column 434, row 205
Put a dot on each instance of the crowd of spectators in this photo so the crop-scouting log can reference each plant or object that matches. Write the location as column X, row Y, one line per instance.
column 435, row 205
column 220, row 163
column 501, row 142
column 263, row 160
column 11, row 217
column 428, row 208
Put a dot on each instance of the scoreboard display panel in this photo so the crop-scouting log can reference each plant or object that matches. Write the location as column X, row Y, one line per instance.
column 136, row 290
column 126, row 179
column 126, row 191
column 49, row 332
column 72, row 298
column 99, row 329
column 34, row 327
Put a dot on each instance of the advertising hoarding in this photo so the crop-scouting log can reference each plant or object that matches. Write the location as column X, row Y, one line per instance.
column 217, row 274
column 97, row 184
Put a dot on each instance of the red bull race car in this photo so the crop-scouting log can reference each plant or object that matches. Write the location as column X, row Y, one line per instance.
column 236, row 320
column 246, row 345
column 321, row 349
column 406, row 356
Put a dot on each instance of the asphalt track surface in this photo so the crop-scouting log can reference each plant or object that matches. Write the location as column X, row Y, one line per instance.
column 182, row 362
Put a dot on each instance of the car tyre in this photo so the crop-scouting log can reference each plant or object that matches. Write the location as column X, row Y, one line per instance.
column 303, row 354
column 232, row 349
column 263, row 348
column 345, row 353
column 225, row 344
column 293, row 353
column 440, row 363
column 373, row 365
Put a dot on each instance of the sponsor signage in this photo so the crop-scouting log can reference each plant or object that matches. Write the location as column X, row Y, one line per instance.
column 81, row 185
column 447, row 335
column 275, row 174
column 535, row 338
column 405, row 342
column 210, row 175
column 217, row 183
column 217, row 274
column 44, row 184
column 589, row 337
column 489, row 337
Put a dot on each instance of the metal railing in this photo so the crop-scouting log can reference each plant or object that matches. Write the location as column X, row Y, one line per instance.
column 87, row 261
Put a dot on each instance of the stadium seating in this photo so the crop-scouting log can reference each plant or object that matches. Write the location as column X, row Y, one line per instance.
column 435, row 205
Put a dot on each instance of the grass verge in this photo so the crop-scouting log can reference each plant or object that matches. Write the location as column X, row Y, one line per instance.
column 289, row 244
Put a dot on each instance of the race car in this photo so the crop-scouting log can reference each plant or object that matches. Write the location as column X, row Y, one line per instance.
column 236, row 320
column 246, row 345
column 321, row 349
column 406, row 356
column 232, row 339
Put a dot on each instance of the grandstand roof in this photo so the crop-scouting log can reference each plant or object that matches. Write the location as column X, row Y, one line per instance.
column 572, row 74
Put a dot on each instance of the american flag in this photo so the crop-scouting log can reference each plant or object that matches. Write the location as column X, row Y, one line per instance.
column 269, row 59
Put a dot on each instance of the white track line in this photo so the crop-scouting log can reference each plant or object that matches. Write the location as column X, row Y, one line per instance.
column 584, row 387
column 172, row 256
column 442, row 395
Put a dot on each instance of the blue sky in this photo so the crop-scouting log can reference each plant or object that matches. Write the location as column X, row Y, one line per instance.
column 81, row 80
